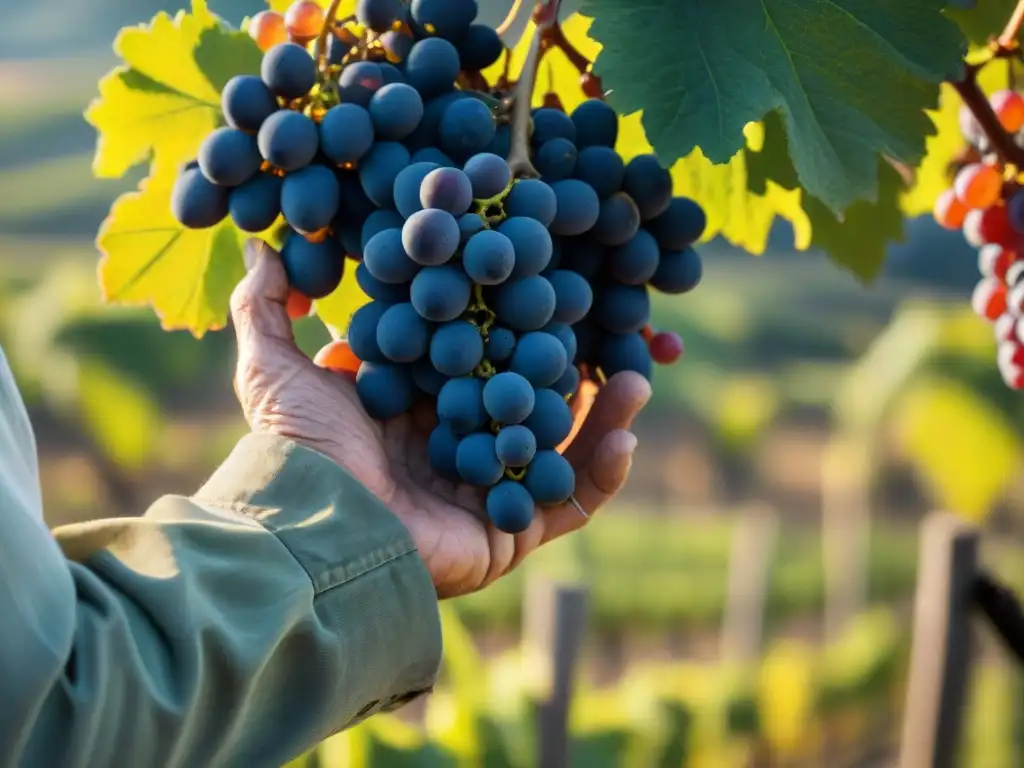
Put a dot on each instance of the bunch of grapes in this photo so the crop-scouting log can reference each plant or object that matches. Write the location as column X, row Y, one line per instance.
column 987, row 203
column 494, row 294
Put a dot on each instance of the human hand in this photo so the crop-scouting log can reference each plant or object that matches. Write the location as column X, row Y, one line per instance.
column 283, row 392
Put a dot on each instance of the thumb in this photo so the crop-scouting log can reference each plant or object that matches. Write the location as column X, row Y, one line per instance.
column 259, row 304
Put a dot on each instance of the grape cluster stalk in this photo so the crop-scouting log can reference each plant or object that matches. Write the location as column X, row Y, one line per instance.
column 509, row 253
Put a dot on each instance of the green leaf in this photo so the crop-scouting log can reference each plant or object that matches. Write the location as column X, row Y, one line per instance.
column 165, row 98
column 851, row 79
column 123, row 419
column 186, row 275
column 983, row 21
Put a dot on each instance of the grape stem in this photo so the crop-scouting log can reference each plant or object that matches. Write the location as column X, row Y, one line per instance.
column 545, row 16
column 320, row 51
column 1006, row 46
column 510, row 18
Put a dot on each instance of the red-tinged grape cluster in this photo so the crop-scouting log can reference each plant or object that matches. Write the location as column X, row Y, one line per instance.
column 987, row 203
column 492, row 296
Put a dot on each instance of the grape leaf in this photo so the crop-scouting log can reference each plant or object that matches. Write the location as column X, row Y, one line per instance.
column 186, row 275
column 984, row 20
column 743, row 218
column 851, row 78
column 165, row 98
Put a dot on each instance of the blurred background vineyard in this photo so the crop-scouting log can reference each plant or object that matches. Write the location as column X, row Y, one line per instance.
column 805, row 399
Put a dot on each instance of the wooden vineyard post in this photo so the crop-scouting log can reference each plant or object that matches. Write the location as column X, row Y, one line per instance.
column 555, row 623
column 941, row 656
column 750, row 569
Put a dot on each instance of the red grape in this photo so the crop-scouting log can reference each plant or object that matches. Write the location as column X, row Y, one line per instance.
column 994, row 260
column 949, row 212
column 978, row 185
column 268, row 29
column 338, row 357
column 305, row 20
column 298, row 305
column 666, row 347
column 1009, row 108
column 989, row 300
column 1005, row 327
column 989, row 225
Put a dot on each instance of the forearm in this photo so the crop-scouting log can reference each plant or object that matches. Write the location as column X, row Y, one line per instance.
column 281, row 604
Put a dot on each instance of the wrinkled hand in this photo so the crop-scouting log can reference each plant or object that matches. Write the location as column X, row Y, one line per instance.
column 282, row 392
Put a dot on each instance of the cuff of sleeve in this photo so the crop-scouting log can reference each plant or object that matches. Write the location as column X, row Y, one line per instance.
column 368, row 579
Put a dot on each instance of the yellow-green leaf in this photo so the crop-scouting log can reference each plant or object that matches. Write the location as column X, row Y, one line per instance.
column 165, row 98
column 123, row 420
column 186, row 275
column 960, row 444
column 337, row 309
column 742, row 217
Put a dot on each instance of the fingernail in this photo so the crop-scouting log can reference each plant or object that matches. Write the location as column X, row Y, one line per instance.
column 251, row 253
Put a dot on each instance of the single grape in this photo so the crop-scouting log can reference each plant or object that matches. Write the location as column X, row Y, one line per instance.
column 396, row 44
column 1009, row 108
column 431, row 237
column 681, row 224
column 466, row 128
column 196, row 202
column 407, row 187
column 379, row 169
column 449, row 19
column 440, row 293
column 551, row 124
column 550, row 479
column 299, row 306
column 540, row 358
column 288, row 71
column 578, row 207
column 978, row 185
column 582, row 255
column 508, row 398
column 573, row 296
column 1005, row 328
column 355, row 205
column 510, row 507
column 376, row 223
column 949, row 211
column 346, row 133
column 229, row 157
column 469, row 225
column 488, row 174
column 479, row 48
column 500, row 344
column 602, row 168
column 989, row 299
column 622, row 308
column 362, row 332
column 551, row 419
column 433, row 155
column 666, row 347
column 378, row 15
column 351, row 239
column 533, row 199
column 524, row 305
column 636, row 261
column 288, row 140
column 624, row 352
column 569, row 383
column 315, row 269
column 396, row 110
column 255, row 205
column 678, row 271
column 477, row 461
column 456, row 348
column 379, row 291
column 386, row 259
column 304, row 19
column 501, row 144
column 460, row 405
column 447, row 189
column 402, row 335
column 649, row 184
column 515, row 446
column 565, row 334
column 556, row 160
column 268, row 29
column 488, row 258
column 246, row 102
column 391, row 73
column 618, row 220
column 426, row 133
column 359, row 81
column 427, row 378
column 989, row 225
column 441, row 451
column 386, row 390
column 309, row 198
column 596, row 124
column 432, row 66
column 531, row 242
